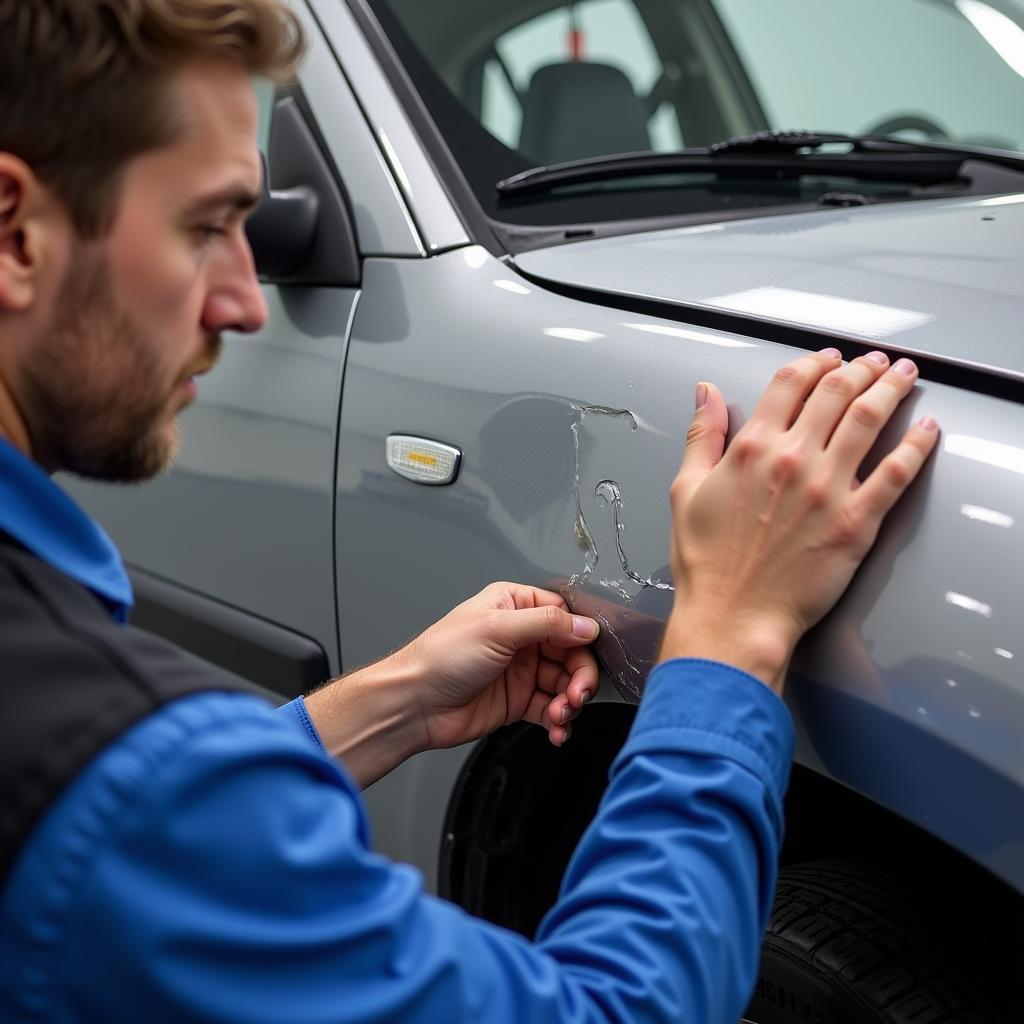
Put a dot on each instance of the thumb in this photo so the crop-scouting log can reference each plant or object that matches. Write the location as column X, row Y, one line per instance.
column 547, row 625
column 705, row 438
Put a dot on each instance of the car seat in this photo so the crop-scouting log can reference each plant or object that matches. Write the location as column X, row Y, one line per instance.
column 580, row 109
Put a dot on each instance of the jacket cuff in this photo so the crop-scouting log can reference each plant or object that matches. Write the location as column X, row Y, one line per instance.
column 295, row 714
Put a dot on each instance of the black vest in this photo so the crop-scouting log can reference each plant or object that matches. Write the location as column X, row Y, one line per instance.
column 71, row 681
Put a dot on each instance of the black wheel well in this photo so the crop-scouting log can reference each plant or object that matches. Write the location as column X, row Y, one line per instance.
column 520, row 807
column 517, row 812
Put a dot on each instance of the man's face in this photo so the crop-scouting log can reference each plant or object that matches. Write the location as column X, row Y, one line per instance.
column 139, row 313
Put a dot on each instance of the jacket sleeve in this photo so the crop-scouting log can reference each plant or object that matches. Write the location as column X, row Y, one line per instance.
column 232, row 881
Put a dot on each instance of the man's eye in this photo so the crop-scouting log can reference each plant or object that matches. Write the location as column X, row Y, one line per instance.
column 207, row 232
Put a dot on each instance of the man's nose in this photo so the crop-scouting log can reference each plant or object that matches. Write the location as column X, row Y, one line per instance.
column 236, row 301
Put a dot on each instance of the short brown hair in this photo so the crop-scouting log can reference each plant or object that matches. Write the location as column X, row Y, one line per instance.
column 83, row 83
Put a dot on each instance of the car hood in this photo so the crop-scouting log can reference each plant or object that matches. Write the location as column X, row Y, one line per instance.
column 941, row 277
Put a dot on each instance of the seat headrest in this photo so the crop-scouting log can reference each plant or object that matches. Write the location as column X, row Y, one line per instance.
column 579, row 109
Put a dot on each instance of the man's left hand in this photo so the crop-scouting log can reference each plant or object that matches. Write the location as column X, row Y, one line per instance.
column 511, row 653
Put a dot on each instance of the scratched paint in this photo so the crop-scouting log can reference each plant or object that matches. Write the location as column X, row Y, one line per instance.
column 584, row 538
column 608, row 493
column 615, row 650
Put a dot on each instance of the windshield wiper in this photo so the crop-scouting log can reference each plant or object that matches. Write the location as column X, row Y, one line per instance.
column 775, row 154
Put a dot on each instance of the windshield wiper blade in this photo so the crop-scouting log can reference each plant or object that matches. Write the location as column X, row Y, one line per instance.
column 773, row 155
column 790, row 141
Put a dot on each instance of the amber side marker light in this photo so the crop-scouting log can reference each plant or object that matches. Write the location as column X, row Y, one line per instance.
column 423, row 460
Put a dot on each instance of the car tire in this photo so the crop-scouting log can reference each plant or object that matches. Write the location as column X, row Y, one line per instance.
column 842, row 947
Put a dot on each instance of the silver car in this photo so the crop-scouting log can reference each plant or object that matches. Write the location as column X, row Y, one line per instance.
column 501, row 243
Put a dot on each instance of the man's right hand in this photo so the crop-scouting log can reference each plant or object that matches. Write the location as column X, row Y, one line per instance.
column 766, row 537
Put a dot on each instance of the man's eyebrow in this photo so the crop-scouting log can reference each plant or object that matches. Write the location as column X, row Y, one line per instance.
column 234, row 197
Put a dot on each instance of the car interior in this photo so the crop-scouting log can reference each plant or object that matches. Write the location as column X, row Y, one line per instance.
column 516, row 85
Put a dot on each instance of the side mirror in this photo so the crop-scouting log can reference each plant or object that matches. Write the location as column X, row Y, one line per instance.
column 282, row 229
column 301, row 232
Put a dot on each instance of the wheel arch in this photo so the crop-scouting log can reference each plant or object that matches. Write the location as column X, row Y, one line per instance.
column 519, row 807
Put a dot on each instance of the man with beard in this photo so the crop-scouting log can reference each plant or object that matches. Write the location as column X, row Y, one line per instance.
column 170, row 850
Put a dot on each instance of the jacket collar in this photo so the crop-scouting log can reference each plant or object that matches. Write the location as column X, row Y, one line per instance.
column 38, row 514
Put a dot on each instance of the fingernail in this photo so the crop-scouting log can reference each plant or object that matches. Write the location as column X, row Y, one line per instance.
column 702, row 395
column 586, row 696
column 927, row 423
column 564, row 716
column 878, row 357
column 832, row 353
column 904, row 366
column 583, row 627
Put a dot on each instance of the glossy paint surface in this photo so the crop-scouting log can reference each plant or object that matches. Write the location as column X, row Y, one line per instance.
column 939, row 276
column 570, row 418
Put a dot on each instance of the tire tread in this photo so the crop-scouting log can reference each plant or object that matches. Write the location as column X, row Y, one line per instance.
column 843, row 923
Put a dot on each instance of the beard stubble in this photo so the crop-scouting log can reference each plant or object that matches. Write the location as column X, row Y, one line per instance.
column 96, row 395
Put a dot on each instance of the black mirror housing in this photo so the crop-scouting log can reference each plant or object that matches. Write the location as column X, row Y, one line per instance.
column 302, row 231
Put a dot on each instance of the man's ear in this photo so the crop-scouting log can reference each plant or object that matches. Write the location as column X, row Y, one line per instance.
column 26, row 209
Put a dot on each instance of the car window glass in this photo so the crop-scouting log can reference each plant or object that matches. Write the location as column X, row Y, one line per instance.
column 514, row 84
column 606, row 31
column 876, row 62
column 265, row 96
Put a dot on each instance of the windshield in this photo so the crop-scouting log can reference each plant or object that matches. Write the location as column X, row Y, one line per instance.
column 512, row 84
